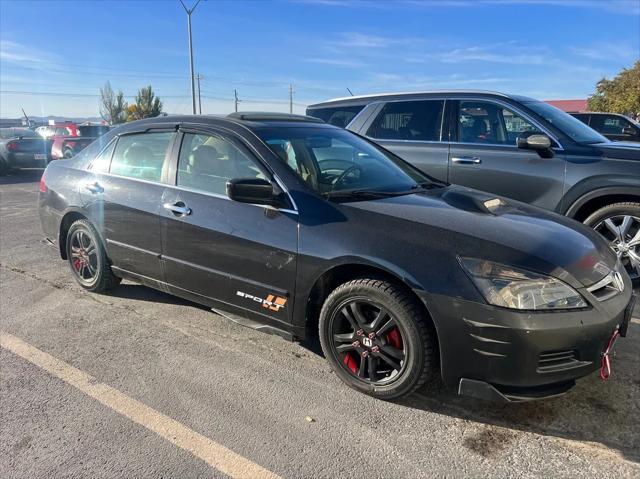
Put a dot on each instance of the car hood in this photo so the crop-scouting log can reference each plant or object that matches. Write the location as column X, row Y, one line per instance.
column 485, row 226
column 619, row 149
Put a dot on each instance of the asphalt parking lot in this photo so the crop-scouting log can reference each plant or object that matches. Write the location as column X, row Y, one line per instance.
column 142, row 384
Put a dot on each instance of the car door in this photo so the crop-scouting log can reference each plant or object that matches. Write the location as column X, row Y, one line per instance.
column 239, row 257
column 123, row 196
column 412, row 130
column 484, row 155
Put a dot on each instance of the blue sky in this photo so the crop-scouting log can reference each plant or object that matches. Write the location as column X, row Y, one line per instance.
column 54, row 55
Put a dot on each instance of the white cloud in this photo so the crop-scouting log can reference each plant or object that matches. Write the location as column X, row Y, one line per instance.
column 13, row 52
column 337, row 62
column 609, row 51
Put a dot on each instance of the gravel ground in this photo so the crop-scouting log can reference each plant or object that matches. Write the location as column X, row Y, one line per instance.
column 255, row 393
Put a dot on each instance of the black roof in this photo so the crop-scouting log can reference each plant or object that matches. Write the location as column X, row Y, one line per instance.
column 250, row 120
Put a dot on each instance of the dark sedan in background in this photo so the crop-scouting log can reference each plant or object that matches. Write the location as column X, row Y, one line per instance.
column 292, row 226
column 22, row 148
column 614, row 126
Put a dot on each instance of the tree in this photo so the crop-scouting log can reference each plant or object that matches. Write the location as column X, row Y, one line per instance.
column 147, row 105
column 620, row 95
column 113, row 108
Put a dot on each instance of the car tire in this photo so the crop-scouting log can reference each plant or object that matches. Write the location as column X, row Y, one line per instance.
column 68, row 153
column 378, row 304
column 88, row 259
column 623, row 215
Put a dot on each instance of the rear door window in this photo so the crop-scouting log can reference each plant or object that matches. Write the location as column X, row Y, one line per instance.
column 141, row 155
column 409, row 120
column 337, row 116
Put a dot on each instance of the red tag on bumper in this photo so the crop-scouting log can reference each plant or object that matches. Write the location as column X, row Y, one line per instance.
column 605, row 366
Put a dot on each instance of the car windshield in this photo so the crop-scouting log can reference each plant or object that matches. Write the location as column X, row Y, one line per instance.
column 569, row 125
column 337, row 163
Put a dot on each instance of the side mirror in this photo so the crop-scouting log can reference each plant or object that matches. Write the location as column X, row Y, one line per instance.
column 251, row 190
column 537, row 142
column 629, row 130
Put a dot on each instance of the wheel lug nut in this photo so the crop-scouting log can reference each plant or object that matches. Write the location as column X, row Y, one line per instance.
column 365, row 354
column 360, row 332
column 375, row 349
column 356, row 344
column 372, row 335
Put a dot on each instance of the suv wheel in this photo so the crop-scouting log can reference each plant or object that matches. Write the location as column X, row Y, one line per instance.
column 87, row 258
column 377, row 339
column 619, row 223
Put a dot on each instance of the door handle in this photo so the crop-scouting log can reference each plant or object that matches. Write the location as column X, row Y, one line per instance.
column 466, row 160
column 94, row 187
column 178, row 209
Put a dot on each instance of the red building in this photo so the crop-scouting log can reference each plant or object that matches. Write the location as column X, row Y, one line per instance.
column 569, row 105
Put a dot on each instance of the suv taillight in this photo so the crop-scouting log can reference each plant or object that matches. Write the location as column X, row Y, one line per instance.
column 12, row 146
column 43, row 185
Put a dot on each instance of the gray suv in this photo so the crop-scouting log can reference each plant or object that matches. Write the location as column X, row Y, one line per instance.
column 512, row 146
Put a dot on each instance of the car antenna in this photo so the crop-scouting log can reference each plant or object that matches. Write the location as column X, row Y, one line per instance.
column 349, row 91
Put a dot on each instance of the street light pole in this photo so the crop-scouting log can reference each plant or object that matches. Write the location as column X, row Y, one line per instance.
column 193, row 81
column 199, row 77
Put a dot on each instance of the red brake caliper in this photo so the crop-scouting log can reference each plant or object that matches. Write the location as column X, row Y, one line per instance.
column 77, row 263
column 350, row 362
column 394, row 338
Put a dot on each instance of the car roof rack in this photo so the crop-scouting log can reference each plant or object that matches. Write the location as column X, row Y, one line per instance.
column 265, row 116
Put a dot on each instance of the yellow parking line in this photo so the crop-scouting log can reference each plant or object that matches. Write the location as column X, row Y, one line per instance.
column 214, row 454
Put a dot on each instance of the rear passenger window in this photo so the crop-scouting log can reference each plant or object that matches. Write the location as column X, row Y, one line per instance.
column 207, row 162
column 337, row 116
column 409, row 120
column 141, row 155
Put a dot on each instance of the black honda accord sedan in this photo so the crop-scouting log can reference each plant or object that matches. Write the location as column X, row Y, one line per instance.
column 288, row 225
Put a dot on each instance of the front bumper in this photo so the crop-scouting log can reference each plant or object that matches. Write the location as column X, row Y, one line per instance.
column 497, row 353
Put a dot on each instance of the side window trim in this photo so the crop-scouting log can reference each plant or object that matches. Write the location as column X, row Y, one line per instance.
column 111, row 143
column 514, row 109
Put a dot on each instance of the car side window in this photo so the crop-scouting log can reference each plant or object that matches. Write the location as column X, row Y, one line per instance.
column 208, row 162
column 100, row 164
column 490, row 123
column 609, row 125
column 338, row 116
column 409, row 120
column 141, row 155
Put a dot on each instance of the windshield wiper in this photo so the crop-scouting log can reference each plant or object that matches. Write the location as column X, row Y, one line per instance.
column 371, row 193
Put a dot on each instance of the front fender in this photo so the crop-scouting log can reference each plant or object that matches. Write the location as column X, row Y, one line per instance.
column 587, row 190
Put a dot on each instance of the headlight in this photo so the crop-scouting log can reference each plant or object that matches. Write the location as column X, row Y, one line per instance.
column 518, row 289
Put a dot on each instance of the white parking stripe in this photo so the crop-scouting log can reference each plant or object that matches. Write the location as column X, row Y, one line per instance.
column 635, row 321
column 214, row 454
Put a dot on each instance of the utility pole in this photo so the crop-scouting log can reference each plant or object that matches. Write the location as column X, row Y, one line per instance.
column 290, row 98
column 236, row 100
column 199, row 77
column 193, row 86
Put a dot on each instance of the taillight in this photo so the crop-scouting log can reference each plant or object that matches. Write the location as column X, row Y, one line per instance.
column 43, row 185
column 12, row 146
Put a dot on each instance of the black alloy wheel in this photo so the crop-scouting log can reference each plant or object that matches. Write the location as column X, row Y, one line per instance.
column 369, row 341
column 87, row 258
column 377, row 338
